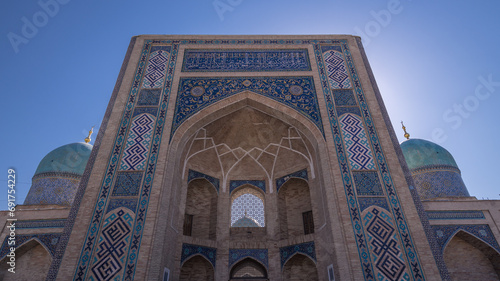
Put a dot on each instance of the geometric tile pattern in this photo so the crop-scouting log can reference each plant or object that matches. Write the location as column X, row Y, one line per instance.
column 444, row 233
column 52, row 190
column 341, row 110
column 248, row 205
column 365, row 202
column 197, row 175
column 367, row 183
column 49, row 240
column 384, row 246
column 455, row 215
column 306, row 248
column 402, row 231
column 302, row 174
column 237, row 183
column 144, row 191
column 109, row 259
column 344, row 98
column 435, row 184
column 236, row 255
column 149, row 97
column 196, row 93
column 155, row 70
column 25, row 224
column 149, row 110
column 246, row 60
column 127, row 184
column 358, row 148
column 189, row 250
column 337, row 70
column 116, row 203
column 138, row 142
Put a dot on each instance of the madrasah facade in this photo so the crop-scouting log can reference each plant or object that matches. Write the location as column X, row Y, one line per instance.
column 250, row 158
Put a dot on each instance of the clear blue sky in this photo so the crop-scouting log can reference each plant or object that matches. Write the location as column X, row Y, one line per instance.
column 429, row 58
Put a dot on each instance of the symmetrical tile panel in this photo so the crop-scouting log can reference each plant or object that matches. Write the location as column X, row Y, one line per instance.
column 235, row 255
column 356, row 142
column 189, row 250
column 306, row 248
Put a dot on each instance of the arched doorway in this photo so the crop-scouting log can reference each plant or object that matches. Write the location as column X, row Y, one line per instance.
column 248, row 269
column 469, row 258
column 197, row 268
column 32, row 259
column 299, row 268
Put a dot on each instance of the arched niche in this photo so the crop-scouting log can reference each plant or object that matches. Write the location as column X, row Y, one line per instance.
column 295, row 209
column 248, row 269
column 248, row 201
column 32, row 259
column 197, row 268
column 300, row 267
column 200, row 215
column 469, row 258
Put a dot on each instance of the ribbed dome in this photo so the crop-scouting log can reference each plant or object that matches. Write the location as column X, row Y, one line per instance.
column 70, row 158
column 421, row 153
column 246, row 222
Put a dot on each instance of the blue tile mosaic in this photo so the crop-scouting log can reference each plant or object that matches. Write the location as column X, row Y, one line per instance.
column 356, row 142
column 302, row 174
column 437, row 184
column 444, row 233
column 367, row 183
column 156, row 67
column 306, row 248
column 455, row 215
column 138, row 141
column 127, row 184
column 52, row 190
column 189, row 250
column 235, row 255
column 26, row 224
column 197, row 93
column 246, row 60
column 149, row 110
column 115, row 203
column 237, row 183
column 149, row 97
column 344, row 98
column 365, row 202
column 197, row 175
column 49, row 240
column 338, row 75
column 341, row 110
column 384, row 246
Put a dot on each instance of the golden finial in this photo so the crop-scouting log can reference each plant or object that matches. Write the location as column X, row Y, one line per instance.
column 87, row 139
column 407, row 136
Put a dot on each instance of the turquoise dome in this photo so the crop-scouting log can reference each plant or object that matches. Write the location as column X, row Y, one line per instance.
column 246, row 222
column 420, row 153
column 70, row 158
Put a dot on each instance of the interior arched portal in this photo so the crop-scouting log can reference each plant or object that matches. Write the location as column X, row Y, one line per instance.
column 300, row 267
column 248, row 269
column 295, row 209
column 200, row 216
column 32, row 259
column 197, row 268
column 469, row 258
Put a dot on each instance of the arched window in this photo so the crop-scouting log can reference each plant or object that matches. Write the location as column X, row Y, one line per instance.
column 247, row 208
column 248, row 269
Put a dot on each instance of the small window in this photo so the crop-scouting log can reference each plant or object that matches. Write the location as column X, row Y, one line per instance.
column 307, row 218
column 188, row 225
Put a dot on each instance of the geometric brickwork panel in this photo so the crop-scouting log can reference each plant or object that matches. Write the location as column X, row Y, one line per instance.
column 109, row 260
column 384, row 246
column 336, row 69
column 49, row 240
column 196, row 93
column 52, row 190
column 434, row 184
column 444, row 233
column 149, row 97
column 250, row 206
column 138, row 142
column 365, row 202
column 236, row 255
column 358, row 148
column 455, row 215
column 127, row 184
column 197, row 175
column 237, row 183
column 302, row 174
column 155, row 70
column 306, row 248
column 246, row 60
column 367, row 183
column 344, row 98
column 189, row 250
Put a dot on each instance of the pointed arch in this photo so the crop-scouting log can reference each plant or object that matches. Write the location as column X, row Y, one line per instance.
column 32, row 258
column 197, row 267
column 295, row 211
column 300, row 267
column 248, row 268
